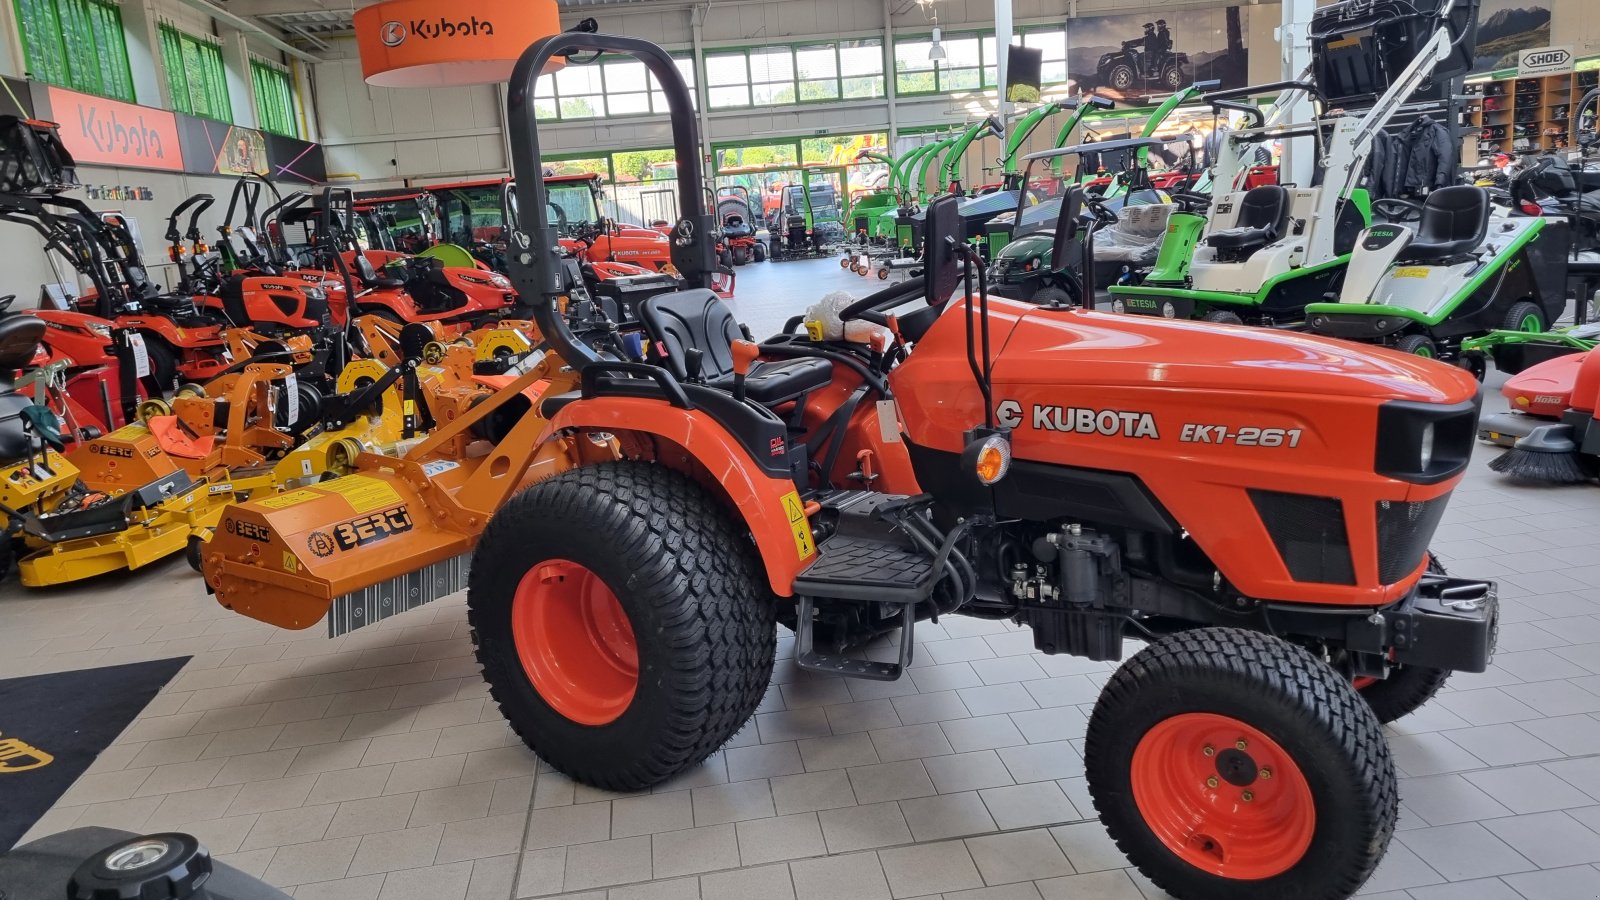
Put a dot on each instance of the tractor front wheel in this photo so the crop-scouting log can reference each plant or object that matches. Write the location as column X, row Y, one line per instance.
column 1229, row 763
column 623, row 622
column 1402, row 693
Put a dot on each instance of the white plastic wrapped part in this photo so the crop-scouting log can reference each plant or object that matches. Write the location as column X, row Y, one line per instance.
column 1136, row 236
column 823, row 323
column 822, row 319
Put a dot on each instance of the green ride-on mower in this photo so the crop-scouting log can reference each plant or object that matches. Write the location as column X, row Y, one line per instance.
column 1129, row 235
column 1461, row 272
column 1032, row 218
column 972, row 455
column 1262, row 255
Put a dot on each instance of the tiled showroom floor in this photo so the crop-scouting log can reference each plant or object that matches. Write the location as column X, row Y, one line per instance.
column 374, row 767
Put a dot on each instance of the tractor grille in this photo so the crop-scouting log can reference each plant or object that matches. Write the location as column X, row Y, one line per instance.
column 1310, row 535
column 1404, row 530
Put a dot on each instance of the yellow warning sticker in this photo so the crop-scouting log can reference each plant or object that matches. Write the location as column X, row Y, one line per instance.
column 365, row 494
column 284, row 501
column 290, row 563
column 804, row 545
column 1412, row 272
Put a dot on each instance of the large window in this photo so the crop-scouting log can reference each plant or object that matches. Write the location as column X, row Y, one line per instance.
column 195, row 74
column 77, row 44
column 274, row 98
column 784, row 74
column 612, row 86
column 970, row 57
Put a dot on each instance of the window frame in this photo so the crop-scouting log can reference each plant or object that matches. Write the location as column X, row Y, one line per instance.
column 106, row 72
column 178, row 82
column 549, row 92
column 795, row 81
column 283, row 86
column 988, row 60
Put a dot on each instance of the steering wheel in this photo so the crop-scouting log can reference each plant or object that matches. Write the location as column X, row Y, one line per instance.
column 872, row 307
column 561, row 216
column 1188, row 202
column 1102, row 213
column 1404, row 210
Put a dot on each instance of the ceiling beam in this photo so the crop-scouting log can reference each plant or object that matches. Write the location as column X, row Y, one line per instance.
column 252, row 27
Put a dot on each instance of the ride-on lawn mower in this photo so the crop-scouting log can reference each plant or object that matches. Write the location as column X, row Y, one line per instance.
column 1461, row 272
column 624, row 605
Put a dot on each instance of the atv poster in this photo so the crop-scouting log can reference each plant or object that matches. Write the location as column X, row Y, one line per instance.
column 1127, row 57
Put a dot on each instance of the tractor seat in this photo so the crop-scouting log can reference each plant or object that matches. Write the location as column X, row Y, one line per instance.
column 1454, row 220
column 1263, row 216
column 696, row 319
column 369, row 277
column 19, row 339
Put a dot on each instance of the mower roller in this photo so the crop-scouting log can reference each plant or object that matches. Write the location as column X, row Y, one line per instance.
column 639, row 531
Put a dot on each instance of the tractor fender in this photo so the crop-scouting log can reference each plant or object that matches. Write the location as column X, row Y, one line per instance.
column 768, row 505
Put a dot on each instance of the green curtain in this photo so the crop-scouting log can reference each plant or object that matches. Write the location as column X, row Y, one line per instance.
column 274, row 99
column 77, row 44
column 195, row 74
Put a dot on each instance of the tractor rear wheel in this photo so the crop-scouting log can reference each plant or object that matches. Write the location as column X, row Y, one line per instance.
column 1223, row 317
column 1418, row 345
column 1229, row 763
column 1525, row 316
column 623, row 622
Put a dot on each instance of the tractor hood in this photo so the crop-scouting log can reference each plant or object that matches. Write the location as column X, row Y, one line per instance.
column 1072, row 347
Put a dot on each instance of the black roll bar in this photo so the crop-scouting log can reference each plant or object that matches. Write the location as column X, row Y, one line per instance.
column 532, row 256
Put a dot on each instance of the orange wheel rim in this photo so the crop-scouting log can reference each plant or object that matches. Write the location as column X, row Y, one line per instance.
column 574, row 641
column 1222, row 796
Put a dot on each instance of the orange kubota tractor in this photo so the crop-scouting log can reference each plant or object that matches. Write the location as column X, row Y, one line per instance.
column 1255, row 506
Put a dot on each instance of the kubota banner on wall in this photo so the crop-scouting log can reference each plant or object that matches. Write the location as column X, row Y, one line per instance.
column 97, row 131
column 424, row 43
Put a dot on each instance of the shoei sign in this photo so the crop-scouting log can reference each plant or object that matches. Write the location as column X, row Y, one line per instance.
column 423, row 43
column 1544, row 61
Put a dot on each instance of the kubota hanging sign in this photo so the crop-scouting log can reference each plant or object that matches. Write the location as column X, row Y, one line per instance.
column 423, row 43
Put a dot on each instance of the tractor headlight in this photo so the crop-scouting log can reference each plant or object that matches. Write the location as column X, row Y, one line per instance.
column 99, row 330
column 1425, row 443
column 1118, row 306
column 988, row 456
column 1168, row 310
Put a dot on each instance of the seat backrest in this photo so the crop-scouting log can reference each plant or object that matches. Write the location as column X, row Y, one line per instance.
column 233, row 305
column 1266, row 206
column 365, row 273
column 1067, row 226
column 679, row 321
column 19, row 338
column 1456, row 213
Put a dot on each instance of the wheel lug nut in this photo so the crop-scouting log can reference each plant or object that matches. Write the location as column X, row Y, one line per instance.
column 1241, row 744
column 1211, row 782
column 1209, row 751
column 1265, row 774
column 1248, row 796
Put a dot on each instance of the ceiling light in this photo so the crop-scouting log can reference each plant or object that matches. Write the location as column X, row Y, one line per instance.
column 936, row 52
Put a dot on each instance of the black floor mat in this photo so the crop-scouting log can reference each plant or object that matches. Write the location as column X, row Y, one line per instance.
column 53, row 726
